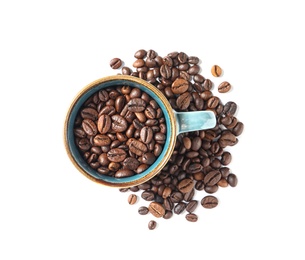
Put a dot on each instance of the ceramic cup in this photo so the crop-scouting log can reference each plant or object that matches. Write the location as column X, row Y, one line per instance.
column 176, row 123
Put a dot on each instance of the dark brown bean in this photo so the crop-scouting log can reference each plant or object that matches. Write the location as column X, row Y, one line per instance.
column 115, row 63
column 186, row 185
column 224, row 87
column 152, row 224
column 116, row 155
column 212, row 178
column 191, row 217
column 209, row 202
column 89, row 127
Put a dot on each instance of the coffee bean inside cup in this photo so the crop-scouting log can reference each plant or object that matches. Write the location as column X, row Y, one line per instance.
column 120, row 131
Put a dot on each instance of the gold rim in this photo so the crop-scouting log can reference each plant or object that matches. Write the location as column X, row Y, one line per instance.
column 171, row 144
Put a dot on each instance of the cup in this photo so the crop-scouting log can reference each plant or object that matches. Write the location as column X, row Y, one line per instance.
column 176, row 123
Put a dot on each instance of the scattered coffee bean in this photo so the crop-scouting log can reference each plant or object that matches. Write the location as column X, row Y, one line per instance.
column 216, row 71
column 152, row 224
column 132, row 199
column 209, row 202
column 191, row 217
column 143, row 210
column 115, row 63
column 224, row 87
column 191, row 206
column 232, row 179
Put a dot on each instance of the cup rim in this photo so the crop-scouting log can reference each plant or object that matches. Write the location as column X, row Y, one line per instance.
column 146, row 175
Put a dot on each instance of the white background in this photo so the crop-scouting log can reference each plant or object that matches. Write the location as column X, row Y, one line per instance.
column 49, row 50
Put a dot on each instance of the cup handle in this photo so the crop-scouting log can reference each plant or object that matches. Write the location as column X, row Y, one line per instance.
column 195, row 120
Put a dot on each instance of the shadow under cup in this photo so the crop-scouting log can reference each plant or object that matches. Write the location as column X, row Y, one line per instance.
column 114, row 81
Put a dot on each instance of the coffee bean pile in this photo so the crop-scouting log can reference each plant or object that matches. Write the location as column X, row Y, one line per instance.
column 200, row 160
column 120, row 131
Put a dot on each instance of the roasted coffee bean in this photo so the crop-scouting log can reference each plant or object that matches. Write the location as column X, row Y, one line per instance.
column 207, row 85
column 191, row 217
column 212, row 178
column 187, row 142
column 165, row 71
column 89, row 113
column 115, row 63
column 182, row 57
column 168, row 204
column 137, row 147
column 84, row 144
column 103, row 159
column 146, row 134
column 101, row 140
column 209, row 202
column 179, row 207
column 141, row 168
column 148, row 195
column 126, row 70
column 143, row 210
column 107, row 110
column 191, row 206
column 119, row 123
column 193, row 70
column 132, row 199
column 104, row 123
column 222, row 183
column 180, row 86
column 196, row 143
column 224, row 87
column 232, row 179
column 131, row 163
column 230, row 108
column 103, row 170
column 211, row 189
column 123, row 173
column 156, row 209
column 193, row 60
column 226, row 158
column 138, row 63
column 116, row 155
column 189, row 195
column 195, row 167
column 168, row 214
column 227, row 139
column 176, row 197
column 89, row 127
column 79, row 132
column 183, row 101
column 136, row 105
column 213, row 102
column 216, row 71
column 140, row 54
column 152, row 224
column 186, row 185
column 148, row 158
column 114, row 166
column 238, row 129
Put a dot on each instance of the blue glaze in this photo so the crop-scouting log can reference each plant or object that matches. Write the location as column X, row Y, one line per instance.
column 193, row 121
column 70, row 134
